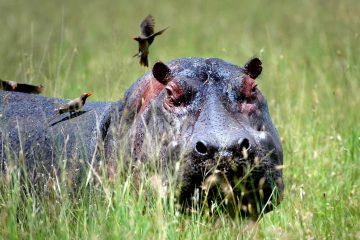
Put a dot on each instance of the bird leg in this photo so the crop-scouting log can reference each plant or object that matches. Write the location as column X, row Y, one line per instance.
column 137, row 54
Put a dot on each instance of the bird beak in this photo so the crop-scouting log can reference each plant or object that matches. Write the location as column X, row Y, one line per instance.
column 13, row 88
column 88, row 94
column 135, row 38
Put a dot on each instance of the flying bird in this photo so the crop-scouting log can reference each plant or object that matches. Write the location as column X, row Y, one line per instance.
column 8, row 85
column 72, row 106
column 145, row 39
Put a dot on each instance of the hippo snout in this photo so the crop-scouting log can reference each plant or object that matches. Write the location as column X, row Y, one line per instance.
column 209, row 149
column 240, row 175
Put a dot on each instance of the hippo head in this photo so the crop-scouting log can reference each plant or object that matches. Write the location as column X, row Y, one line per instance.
column 207, row 121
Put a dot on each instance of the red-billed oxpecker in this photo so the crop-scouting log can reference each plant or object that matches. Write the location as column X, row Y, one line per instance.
column 145, row 39
column 72, row 106
column 8, row 85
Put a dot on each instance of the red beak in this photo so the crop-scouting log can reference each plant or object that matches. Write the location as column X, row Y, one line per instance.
column 88, row 94
column 135, row 38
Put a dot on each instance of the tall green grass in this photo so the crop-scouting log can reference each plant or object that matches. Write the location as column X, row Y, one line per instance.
column 310, row 51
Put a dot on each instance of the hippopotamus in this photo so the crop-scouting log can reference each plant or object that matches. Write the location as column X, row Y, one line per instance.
column 203, row 120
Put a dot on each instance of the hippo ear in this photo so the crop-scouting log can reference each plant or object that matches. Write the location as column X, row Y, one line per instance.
column 161, row 72
column 253, row 67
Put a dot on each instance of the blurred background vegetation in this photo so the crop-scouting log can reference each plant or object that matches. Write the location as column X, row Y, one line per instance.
column 310, row 51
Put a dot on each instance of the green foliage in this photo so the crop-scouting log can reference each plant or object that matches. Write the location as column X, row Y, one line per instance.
column 310, row 52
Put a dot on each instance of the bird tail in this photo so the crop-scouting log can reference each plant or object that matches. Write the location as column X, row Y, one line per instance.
column 144, row 60
column 57, row 113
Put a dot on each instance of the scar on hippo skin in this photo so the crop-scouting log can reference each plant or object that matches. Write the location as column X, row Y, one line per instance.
column 253, row 68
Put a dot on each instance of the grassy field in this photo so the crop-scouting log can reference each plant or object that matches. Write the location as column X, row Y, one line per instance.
column 310, row 51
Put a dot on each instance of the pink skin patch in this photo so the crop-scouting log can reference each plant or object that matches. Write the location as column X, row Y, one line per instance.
column 152, row 90
column 247, row 89
column 248, row 85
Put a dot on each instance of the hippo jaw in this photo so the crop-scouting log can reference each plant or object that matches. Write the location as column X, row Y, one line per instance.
column 214, row 123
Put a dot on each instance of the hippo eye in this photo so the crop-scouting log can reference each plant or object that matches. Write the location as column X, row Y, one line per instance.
column 174, row 95
column 168, row 92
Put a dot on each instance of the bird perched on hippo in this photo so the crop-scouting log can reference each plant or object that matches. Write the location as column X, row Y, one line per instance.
column 9, row 85
column 203, row 120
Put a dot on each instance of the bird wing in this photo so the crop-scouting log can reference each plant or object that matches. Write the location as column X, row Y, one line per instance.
column 147, row 26
column 152, row 36
column 63, row 108
column 75, row 104
column 27, row 88
column 71, row 106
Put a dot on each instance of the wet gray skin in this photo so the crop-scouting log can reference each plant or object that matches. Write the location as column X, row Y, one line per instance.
column 202, row 120
column 210, row 125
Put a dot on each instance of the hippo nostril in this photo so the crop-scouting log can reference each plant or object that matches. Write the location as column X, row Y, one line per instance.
column 244, row 144
column 201, row 148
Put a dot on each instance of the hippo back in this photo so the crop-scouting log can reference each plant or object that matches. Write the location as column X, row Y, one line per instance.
column 32, row 135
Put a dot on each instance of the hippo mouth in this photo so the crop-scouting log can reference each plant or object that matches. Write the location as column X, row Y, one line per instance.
column 240, row 185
